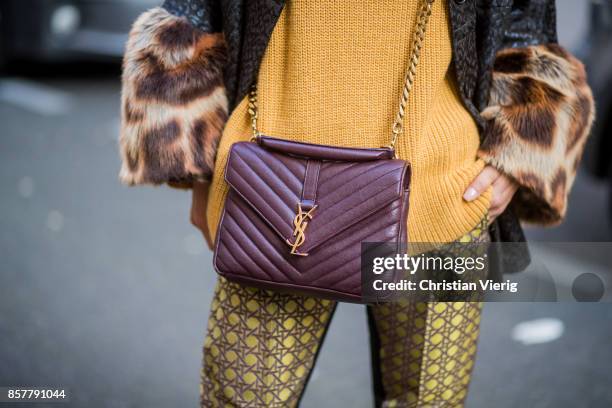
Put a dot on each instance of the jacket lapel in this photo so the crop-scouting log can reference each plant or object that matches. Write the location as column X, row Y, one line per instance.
column 248, row 26
column 465, row 55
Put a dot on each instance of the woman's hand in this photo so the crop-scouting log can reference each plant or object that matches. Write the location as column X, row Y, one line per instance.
column 503, row 190
column 199, row 201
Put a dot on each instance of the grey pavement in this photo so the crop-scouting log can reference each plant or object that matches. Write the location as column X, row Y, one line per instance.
column 105, row 290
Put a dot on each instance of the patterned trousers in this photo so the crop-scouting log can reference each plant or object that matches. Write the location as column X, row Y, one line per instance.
column 261, row 347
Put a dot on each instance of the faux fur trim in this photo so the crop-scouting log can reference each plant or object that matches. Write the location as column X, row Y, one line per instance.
column 539, row 116
column 173, row 104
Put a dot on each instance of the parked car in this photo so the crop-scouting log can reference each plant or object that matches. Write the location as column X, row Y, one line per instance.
column 596, row 52
column 60, row 30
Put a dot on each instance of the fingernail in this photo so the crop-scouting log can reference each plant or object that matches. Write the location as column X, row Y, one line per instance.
column 470, row 194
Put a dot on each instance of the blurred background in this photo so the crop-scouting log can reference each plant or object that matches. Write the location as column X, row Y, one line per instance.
column 105, row 290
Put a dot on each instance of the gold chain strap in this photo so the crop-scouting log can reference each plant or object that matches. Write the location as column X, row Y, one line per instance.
column 398, row 124
column 419, row 36
column 253, row 109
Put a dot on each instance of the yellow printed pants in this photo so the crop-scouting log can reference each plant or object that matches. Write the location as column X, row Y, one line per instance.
column 261, row 347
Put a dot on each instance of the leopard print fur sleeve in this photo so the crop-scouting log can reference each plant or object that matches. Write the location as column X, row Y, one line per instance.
column 539, row 115
column 173, row 105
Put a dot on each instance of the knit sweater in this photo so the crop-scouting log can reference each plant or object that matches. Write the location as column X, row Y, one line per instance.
column 332, row 74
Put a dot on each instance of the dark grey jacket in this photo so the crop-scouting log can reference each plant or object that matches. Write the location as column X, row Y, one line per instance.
column 528, row 96
column 479, row 30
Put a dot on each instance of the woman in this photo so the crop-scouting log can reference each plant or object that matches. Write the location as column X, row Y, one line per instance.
column 495, row 128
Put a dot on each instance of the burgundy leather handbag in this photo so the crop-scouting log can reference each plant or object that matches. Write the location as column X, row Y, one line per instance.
column 297, row 213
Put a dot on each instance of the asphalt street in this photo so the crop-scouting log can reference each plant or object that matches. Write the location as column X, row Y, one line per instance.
column 105, row 289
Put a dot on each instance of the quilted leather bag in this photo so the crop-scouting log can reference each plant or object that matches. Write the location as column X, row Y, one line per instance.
column 297, row 213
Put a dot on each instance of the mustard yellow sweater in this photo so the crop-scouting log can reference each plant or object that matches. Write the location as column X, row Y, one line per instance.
column 332, row 74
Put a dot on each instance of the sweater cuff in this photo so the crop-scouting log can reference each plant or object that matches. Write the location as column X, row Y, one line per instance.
column 539, row 116
column 173, row 105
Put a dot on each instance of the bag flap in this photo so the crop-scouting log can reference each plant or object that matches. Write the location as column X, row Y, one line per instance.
column 347, row 192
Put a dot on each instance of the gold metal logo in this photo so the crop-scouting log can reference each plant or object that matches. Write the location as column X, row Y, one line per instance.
column 300, row 222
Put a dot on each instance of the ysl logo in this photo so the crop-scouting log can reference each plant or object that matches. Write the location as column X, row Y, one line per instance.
column 300, row 222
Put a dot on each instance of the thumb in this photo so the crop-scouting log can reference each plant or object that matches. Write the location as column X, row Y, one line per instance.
column 484, row 179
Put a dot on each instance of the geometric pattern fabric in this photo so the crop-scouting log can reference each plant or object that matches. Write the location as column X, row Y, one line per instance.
column 261, row 346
